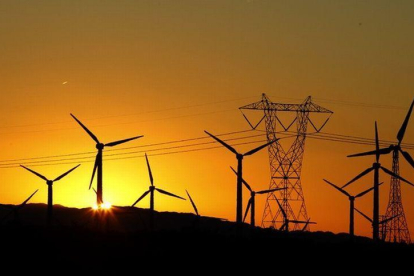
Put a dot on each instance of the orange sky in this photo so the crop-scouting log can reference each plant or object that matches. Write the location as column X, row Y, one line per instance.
column 133, row 57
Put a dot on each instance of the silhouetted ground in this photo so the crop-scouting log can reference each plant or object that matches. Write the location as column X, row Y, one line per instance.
column 119, row 240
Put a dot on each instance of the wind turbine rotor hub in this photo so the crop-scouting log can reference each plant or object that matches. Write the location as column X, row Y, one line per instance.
column 49, row 182
column 100, row 146
column 376, row 165
column 152, row 188
column 253, row 193
column 239, row 156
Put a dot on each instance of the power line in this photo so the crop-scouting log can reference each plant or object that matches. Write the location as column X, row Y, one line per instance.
column 344, row 102
column 133, row 152
column 125, row 148
column 319, row 136
column 141, row 156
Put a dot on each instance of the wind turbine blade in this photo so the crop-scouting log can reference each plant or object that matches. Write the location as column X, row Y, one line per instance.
column 94, row 190
column 192, row 203
column 244, row 182
column 247, row 209
column 396, row 176
column 365, row 216
column 306, row 225
column 302, row 222
column 358, row 176
column 388, row 219
column 259, row 148
column 230, row 148
column 336, row 187
column 281, row 208
column 86, row 129
column 407, row 157
column 27, row 200
column 141, row 197
column 36, row 173
column 66, row 173
column 377, row 155
column 366, row 191
column 169, row 194
column 269, row 191
column 112, row 144
column 373, row 152
column 401, row 133
column 95, row 167
column 149, row 171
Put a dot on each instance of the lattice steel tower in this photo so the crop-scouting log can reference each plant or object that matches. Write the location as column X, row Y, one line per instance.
column 286, row 165
column 396, row 229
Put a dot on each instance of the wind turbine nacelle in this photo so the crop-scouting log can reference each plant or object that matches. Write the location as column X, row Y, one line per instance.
column 100, row 146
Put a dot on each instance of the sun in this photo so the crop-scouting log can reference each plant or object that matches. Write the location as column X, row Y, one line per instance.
column 103, row 206
column 106, row 206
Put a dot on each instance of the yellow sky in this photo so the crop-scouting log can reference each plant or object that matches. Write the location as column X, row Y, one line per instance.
column 102, row 59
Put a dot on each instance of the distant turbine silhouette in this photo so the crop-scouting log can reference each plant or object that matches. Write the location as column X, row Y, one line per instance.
column 351, row 204
column 252, row 202
column 98, row 161
column 285, row 225
column 239, row 156
column 398, row 230
column 375, row 167
column 49, row 183
column 15, row 209
column 193, row 204
column 372, row 221
column 151, row 191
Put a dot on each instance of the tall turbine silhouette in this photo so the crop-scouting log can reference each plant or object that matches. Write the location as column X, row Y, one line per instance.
column 375, row 167
column 285, row 225
column 98, row 161
column 398, row 231
column 382, row 222
column 151, row 191
column 49, row 184
column 351, row 203
column 240, row 156
column 251, row 204
column 15, row 209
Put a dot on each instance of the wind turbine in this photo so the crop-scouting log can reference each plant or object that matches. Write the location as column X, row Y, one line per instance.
column 252, row 202
column 351, row 203
column 395, row 205
column 380, row 222
column 394, row 148
column 151, row 191
column 49, row 183
column 98, row 161
column 375, row 167
column 240, row 156
column 15, row 209
column 285, row 225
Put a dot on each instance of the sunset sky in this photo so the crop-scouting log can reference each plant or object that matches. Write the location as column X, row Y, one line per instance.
column 171, row 69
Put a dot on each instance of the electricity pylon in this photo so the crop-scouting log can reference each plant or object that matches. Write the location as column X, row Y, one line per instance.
column 286, row 165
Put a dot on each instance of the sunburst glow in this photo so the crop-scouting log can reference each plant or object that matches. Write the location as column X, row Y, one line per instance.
column 103, row 206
